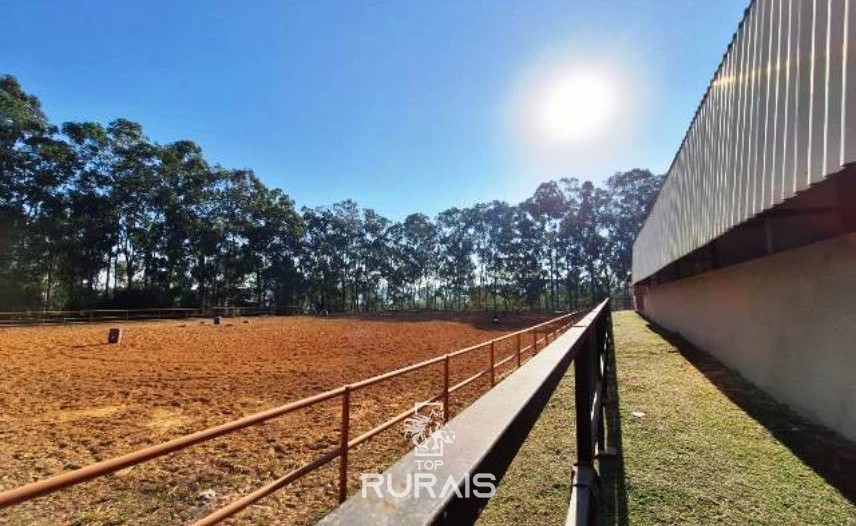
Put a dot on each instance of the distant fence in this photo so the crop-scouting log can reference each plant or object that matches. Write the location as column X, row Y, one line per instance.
column 64, row 317
column 525, row 344
column 68, row 317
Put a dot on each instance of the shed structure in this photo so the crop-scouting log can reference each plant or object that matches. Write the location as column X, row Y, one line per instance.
column 750, row 249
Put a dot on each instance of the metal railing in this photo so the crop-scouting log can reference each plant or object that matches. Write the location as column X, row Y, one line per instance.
column 489, row 435
column 592, row 375
column 525, row 342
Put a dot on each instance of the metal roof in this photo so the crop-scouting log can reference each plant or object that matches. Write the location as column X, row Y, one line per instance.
column 778, row 116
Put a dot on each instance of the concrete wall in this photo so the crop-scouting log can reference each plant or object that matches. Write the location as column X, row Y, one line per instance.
column 786, row 322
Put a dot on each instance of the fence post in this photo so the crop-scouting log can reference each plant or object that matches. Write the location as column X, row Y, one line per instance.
column 492, row 362
column 518, row 349
column 343, row 444
column 611, row 342
column 534, row 341
column 581, row 510
column 609, row 350
column 600, row 364
column 582, row 401
column 447, row 414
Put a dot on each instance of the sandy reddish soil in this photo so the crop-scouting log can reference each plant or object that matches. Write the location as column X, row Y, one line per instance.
column 67, row 399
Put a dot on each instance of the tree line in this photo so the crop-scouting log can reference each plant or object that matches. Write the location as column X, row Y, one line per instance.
column 101, row 216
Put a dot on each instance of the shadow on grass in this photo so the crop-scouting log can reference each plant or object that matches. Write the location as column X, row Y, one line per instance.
column 830, row 455
column 612, row 508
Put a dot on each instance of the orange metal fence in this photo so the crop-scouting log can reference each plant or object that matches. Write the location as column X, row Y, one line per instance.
column 524, row 341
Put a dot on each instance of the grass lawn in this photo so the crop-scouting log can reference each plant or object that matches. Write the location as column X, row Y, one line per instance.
column 706, row 448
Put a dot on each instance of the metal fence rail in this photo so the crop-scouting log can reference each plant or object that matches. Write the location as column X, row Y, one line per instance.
column 526, row 343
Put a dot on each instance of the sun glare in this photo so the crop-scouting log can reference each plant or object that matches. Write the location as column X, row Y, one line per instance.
column 569, row 114
column 576, row 108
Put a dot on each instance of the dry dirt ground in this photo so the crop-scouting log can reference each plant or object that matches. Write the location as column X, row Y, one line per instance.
column 68, row 399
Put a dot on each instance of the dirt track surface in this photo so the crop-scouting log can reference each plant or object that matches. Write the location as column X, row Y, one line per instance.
column 68, row 399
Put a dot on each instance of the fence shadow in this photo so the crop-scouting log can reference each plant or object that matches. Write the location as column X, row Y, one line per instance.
column 612, row 508
column 87, row 345
column 501, row 321
column 830, row 455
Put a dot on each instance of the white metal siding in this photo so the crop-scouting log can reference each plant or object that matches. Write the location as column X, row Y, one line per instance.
column 779, row 115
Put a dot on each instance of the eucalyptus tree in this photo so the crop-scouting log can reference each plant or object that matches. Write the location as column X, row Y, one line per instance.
column 50, row 170
column 315, row 257
column 374, row 260
column 569, row 249
column 185, row 192
column 132, row 166
column 589, row 232
column 456, row 249
column 547, row 207
column 273, row 230
column 347, row 234
column 631, row 196
column 22, row 126
column 329, row 253
column 499, row 231
column 282, row 231
column 419, row 235
column 92, row 215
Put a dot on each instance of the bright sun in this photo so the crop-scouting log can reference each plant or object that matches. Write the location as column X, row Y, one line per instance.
column 576, row 108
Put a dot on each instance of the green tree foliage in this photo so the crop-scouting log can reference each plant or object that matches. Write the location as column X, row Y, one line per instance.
column 94, row 215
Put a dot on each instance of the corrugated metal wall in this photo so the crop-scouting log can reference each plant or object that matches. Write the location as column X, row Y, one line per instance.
column 779, row 115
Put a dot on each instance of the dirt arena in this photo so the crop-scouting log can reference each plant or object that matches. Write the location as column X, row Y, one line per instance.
column 68, row 399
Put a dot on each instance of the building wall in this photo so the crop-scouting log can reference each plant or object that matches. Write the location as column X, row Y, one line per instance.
column 786, row 322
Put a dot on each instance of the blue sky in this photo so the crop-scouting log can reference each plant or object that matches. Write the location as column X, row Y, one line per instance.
column 401, row 105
